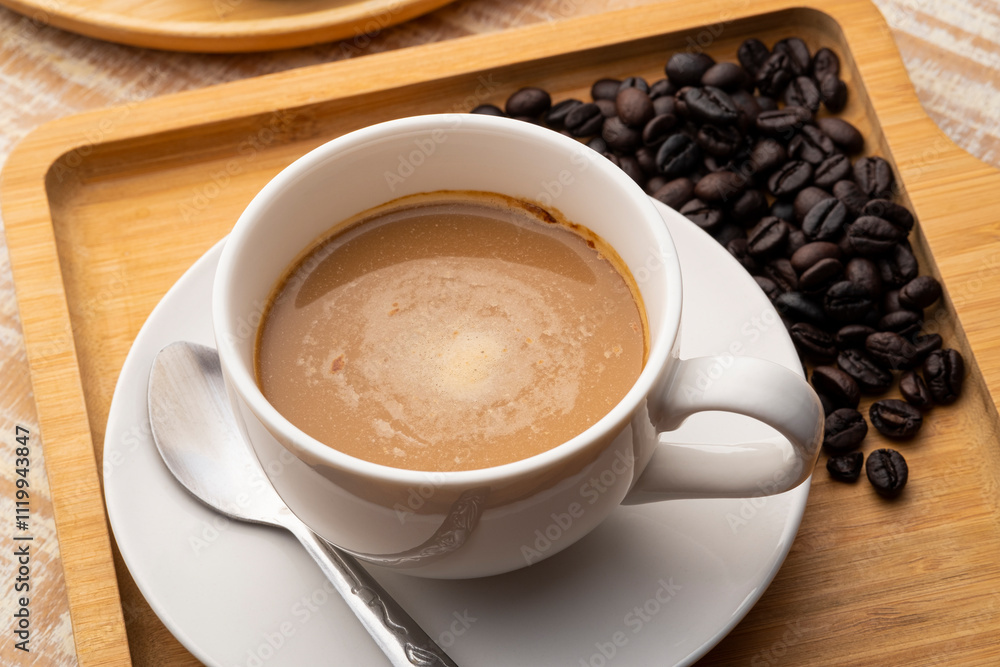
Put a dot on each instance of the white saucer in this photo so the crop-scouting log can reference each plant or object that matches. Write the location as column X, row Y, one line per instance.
column 655, row 584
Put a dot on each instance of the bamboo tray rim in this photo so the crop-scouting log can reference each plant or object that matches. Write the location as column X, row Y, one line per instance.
column 34, row 253
column 224, row 35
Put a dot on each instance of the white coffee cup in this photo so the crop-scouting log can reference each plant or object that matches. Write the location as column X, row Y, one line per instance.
column 482, row 522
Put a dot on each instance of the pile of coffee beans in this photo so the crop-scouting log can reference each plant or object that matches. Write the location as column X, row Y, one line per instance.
column 752, row 153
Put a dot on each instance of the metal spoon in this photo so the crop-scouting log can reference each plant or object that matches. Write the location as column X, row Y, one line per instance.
column 197, row 436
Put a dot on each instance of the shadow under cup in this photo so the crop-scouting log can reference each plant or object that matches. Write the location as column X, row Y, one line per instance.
column 372, row 509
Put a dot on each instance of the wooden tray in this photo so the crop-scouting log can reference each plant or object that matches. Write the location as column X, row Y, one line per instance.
column 105, row 210
column 223, row 26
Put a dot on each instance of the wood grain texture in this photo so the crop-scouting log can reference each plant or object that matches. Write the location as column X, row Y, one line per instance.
column 951, row 57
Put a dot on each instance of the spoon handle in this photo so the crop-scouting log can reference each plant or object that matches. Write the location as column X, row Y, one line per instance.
column 396, row 633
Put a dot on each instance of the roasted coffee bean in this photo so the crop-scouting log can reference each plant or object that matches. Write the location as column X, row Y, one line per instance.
column 895, row 418
column 944, row 371
column 887, row 210
column 702, row 214
column 662, row 88
column 658, row 128
column 798, row 307
column 555, row 118
column 634, row 82
column 796, row 239
column 846, row 467
column 890, row 302
column 843, row 134
column 630, row 165
column 828, row 407
column 811, row 145
column 904, row 322
column 711, row 105
column 780, row 271
column 488, row 110
column 824, row 63
column 747, row 108
column 825, row 221
column 646, row 157
column 898, row 267
column 806, row 198
column 598, row 144
column 920, row 292
column 678, row 155
column 766, row 103
column 634, row 107
column 886, row 470
column 620, row 137
column 749, row 206
column 605, row 89
column 665, row 105
column 774, row 74
column 784, row 209
column 871, row 378
column 789, row 178
column 720, row 187
column 584, row 120
column 767, row 237
column 834, row 93
column 863, row 272
column 798, row 54
column 752, row 54
column 676, row 193
column 530, row 102
column 802, row 92
column 852, row 196
column 926, row 344
column 915, row 391
column 654, row 183
column 871, row 236
column 766, row 155
column 832, row 169
column 728, row 232
column 719, row 141
column 852, row 335
column 811, row 341
column 844, row 430
column 528, row 119
column 874, row 176
column 845, row 302
column 738, row 249
column 891, row 350
column 769, row 288
column 727, row 76
column 783, row 122
column 822, row 274
column 608, row 108
column 686, row 68
column 811, row 253
column 838, row 386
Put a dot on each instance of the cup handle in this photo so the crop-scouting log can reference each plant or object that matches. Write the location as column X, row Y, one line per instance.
column 760, row 389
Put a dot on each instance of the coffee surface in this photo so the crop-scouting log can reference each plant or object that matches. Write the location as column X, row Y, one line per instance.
column 455, row 332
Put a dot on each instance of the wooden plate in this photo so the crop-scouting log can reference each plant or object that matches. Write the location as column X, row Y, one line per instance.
column 223, row 26
column 105, row 210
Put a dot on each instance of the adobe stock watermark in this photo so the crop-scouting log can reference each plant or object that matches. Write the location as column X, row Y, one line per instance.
column 590, row 492
column 418, row 496
column 750, row 331
column 306, row 608
column 749, row 507
column 793, row 634
column 634, row 621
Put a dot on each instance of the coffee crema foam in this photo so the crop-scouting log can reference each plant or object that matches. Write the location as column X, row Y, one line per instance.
column 451, row 333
